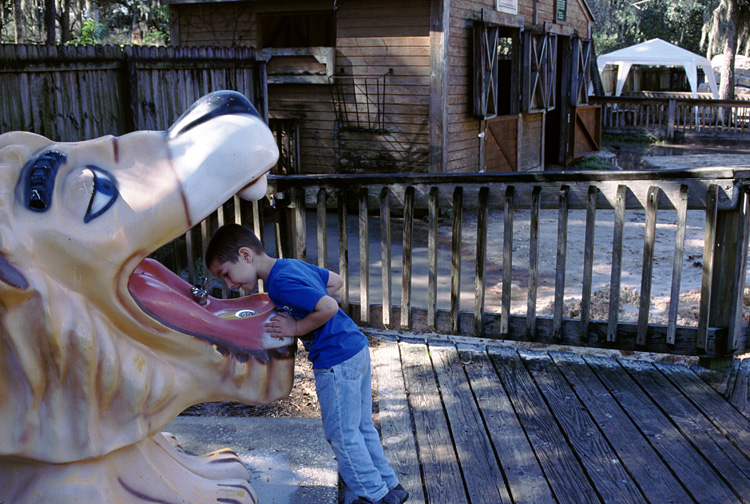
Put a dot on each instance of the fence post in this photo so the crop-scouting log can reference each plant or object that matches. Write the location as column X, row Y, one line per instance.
column 671, row 119
column 729, row 243
column 130, row 90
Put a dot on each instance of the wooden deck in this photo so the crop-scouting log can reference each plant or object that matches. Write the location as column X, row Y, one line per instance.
column 465, row 423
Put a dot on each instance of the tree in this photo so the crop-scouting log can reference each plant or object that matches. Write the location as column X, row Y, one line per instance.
column 49, row 22
column 728, row 26
column 678, row 22
column 18, row 14
column 64, row 21
column 617, row 25
column 621, row 23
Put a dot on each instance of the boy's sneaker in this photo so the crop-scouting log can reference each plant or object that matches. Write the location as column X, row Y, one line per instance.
column 396, row 495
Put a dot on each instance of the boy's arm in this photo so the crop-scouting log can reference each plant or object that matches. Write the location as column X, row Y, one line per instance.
column 335, row 282
column 283, row 325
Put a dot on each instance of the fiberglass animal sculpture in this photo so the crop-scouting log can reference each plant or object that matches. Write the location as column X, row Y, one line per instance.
column 92, row 367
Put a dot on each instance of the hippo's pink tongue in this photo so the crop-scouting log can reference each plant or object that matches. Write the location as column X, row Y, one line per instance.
column 233, row 324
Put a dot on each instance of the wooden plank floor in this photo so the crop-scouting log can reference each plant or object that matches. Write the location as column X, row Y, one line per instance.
column 465, row 423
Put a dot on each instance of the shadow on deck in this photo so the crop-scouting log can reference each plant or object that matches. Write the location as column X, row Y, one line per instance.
column 482, row 423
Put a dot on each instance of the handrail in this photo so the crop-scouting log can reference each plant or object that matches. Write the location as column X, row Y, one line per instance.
column 668, row 115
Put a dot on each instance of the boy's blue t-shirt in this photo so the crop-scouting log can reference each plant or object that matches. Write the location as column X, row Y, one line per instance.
column 295, row 287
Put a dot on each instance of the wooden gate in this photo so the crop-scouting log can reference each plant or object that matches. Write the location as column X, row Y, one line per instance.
column 501, row 147
column 585, row 131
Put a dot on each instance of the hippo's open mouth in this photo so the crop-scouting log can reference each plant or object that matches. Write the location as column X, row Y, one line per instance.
column 233, row 325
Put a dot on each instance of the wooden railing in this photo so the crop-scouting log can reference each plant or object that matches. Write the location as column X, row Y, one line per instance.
column 668, row 116
column 407, row 227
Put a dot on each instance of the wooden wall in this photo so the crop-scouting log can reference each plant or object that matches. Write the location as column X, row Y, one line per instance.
column 464, row 144
column 388, row 38
column 197, row 24
column 578, row 16
column 373, row 39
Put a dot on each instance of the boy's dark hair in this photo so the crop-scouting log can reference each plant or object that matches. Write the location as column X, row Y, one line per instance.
column 224, row 245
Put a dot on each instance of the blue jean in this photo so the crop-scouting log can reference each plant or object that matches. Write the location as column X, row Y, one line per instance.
column 345, row 396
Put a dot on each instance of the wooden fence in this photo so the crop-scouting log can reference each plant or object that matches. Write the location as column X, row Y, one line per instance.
column 669, row 116
column 72, row 93
column 357, row 205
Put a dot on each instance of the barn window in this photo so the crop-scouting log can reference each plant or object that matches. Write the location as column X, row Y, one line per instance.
column 539, row 71
column 298, row 29
column 496, row 51
column 299, row 47
column 582, row 59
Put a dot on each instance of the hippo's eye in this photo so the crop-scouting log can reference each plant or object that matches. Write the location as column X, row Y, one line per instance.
column 39, row 179
column 104, row 193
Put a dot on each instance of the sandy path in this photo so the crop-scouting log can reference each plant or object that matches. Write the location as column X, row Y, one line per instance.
column 631, row 267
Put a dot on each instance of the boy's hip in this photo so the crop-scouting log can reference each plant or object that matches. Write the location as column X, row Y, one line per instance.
column 355, row 367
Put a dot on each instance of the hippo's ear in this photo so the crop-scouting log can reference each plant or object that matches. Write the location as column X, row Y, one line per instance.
column 11, row 276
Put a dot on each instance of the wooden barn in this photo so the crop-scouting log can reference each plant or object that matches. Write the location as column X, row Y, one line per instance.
column 433, row 86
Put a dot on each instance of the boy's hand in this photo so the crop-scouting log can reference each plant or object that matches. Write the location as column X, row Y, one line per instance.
column 282, row 325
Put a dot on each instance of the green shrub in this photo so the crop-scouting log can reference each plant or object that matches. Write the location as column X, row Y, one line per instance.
column 630, row 138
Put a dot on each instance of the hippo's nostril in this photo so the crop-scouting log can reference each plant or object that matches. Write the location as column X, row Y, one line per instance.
column 212, row 105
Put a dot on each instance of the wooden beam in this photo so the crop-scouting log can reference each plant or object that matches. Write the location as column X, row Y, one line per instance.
column 439, row 47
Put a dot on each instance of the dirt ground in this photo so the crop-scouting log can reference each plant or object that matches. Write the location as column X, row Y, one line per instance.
column 302, row 402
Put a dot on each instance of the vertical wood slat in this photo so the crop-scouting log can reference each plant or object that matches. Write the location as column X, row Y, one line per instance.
column 277, row 227
column 533, row 263
column 649, row 237
column 114, row 90
column 406, row 258
column 343, row 251
column 479, row 281
column 220, row 222
column 300, row 222
column 679, row 252
column 204, row 243
column 239, row 219
column 364, row 258
column 709, row 244
column 616, row 277
column 507, row 261
column 190, row 258
column 258, row 230
column 432, row 245
column 735, row 320
column 458, row 213
column 562, row 247
column 588, row 263
column 238, row 210
column 385, row 255
column 322, row 224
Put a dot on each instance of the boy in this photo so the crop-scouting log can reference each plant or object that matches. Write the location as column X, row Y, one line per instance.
column 302, row 294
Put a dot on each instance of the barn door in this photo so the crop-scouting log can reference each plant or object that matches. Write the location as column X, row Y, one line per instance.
column 501, row 147
column 586, row 120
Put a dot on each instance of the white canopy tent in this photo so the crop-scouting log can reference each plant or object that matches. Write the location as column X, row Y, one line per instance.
column 657, row 52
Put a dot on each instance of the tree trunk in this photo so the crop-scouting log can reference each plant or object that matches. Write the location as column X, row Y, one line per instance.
column 726, row 89
column 65, row 21
column 49, row 22
column 18, row 16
